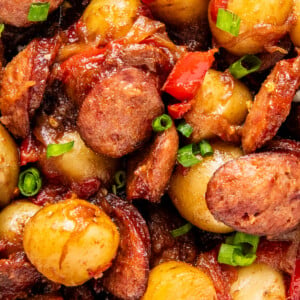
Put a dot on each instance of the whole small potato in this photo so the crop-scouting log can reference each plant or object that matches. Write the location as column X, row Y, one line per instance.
column 179, row 13
column 71, row 241
column 107, row 20
column 9, row 166
column 257, row 27
column 188, row 191
column 219, row 94
column 258, row 282
column 12, row 221
column 177, row 280
column 295, row 30
column 80, row 162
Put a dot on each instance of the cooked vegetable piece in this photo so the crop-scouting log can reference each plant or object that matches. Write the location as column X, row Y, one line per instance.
column 162, row 123
column 38, row 11
column 182, row 230
column 185, row 129
column 228, row 21
column 295, row 30
column 59, row 149
column 30, row 182
column 245, row 66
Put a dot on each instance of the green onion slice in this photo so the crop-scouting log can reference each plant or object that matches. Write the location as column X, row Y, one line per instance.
column 228, row 21
column 181, row 230
column 248, row 241
column 30, row 182
column 205, row 148
column 185, row 129
column 38, row 11
column 186, row 155
column 59, row 149
column 114, row 189
column 120, row 179
column 1, row 28
column 244, row 66
column 162, row 123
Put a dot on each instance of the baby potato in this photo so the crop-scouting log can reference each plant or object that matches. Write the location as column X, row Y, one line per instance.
column 81, row 162
column 188, row 191
column 71, row 241
column 12, row 221
column 257, row 19
column 258, row 282
column 107, row 20
column 219, row 94
column 9, row 166
column 179, row 13
column 295, row 30
column 178, row 280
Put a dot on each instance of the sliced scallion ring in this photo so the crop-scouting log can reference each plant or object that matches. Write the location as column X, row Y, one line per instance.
column 162, row 123
column 186, row 155
column 30, row 182
column 228, row 21
column 244, row 66
column 241, row 238
column 205, row 148
column 1, row 28
column 38, row 11
column 181, row 230
column 59, row 149
column 185, row 129
column 120, row 179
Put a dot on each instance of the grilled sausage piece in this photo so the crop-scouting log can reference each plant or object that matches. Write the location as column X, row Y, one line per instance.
column 116, row 117
column 149, row 172
column 23, row 84
column 272, row 104
column 257, row 194
column 15, row 12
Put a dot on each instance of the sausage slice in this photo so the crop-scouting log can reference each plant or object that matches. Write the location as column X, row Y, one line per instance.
column 257, row 194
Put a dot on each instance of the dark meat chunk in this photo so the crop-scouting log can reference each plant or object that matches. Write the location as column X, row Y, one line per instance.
column 116, row 117
column 83, row 292
column 149, row 171
column 161, row 221
column 272, row 104
column 257, row 194
column 292, row 125
column 15, row 12
column 128, row 276
column 23, row 84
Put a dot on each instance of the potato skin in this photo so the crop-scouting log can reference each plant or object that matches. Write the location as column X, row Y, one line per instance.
column 179, row 13
column 220, row 94
column 188, row 192
column 9, row 166
column 258, row 282
column 295, row 30
column 71, row 241
column 12, row 221
column 253, row 36
column 166, row 282
column 107, row 20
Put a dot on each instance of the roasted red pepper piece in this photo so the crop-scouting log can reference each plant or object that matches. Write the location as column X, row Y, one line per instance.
column 188, row 74
column 176, row 111
column 214, row 7
column 295, row 282
column 29, row 151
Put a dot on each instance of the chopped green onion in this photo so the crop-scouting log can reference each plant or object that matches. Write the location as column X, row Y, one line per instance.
column 162, row 123
column 181, row 230
column 38, row 11
column 228, row 21
column 30, row 182
column 185, row 129
column 1, row 28
column 120, row 179
column 59, row 149
column 114, row 189
column 205, row 148
column 186, row 155
column 244, row 66
column 241, row 238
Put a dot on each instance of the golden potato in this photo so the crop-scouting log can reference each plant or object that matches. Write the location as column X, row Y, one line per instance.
column 12, row 221
column 9, row 166
column 258, row 19
column 179, row 13
column 81, row 162
column 178, row 280
column 188, row 192
column 71, row 241
column 107, row 20
column 219, row 94
column 295, row 30
column 258, row 282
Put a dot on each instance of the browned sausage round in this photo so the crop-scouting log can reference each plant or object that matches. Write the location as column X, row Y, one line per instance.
column 257, row 194
column 15, row 12
column 150, row 171
column 116, row 117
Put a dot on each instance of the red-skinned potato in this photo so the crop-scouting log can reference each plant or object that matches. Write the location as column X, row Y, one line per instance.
column 71, row 241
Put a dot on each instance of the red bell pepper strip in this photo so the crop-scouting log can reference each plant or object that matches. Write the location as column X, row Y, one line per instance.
column 176, row 111
column 295, row 282
column 188, row 74
column 214, row 7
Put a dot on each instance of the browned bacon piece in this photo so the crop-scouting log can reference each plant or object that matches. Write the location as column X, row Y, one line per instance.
column 272, row 104
column 128, row 276
column 23, row 84
column 150, row 170
column 257, row 194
